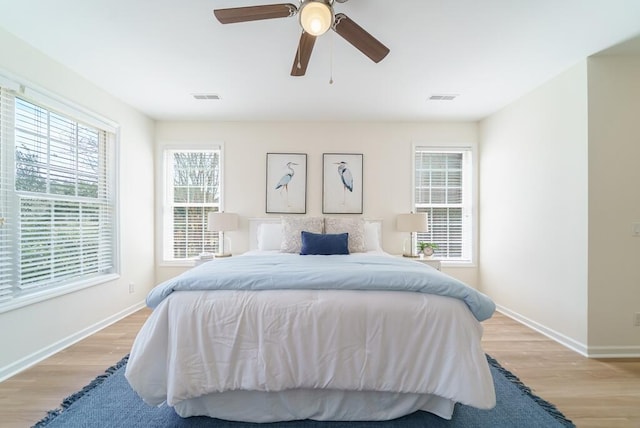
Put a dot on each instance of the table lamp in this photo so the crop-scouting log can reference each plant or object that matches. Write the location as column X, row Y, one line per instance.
column 412, row 223
column 222, row 222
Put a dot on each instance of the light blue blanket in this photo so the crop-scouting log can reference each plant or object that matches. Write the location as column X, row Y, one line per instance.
column 339, row 272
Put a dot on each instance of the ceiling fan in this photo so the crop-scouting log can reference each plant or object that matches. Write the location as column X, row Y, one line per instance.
column 316, row 17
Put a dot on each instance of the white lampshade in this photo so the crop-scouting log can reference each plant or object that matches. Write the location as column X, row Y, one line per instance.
column 222, row 222
column 414, row 222
column 316, row 17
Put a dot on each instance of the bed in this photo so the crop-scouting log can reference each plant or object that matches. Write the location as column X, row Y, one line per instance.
column 274, row 335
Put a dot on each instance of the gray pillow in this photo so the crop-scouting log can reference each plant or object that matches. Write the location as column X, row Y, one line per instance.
column 292, row 228
column 353, row 226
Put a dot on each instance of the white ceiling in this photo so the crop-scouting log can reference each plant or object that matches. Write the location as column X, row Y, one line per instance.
column 154, row 54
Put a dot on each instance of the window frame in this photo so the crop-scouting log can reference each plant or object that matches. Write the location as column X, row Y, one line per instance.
column 471, row 196
column 56, row 104
column 164, row 227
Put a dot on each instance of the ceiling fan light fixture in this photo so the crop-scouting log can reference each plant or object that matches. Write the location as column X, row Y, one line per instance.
column 316, row 17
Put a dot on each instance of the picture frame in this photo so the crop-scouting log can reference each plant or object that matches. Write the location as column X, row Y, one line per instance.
column 342, row 183
column 286, row 183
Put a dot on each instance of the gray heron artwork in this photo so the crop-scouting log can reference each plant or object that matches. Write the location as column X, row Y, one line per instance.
column 346, row 177
column 342, row 183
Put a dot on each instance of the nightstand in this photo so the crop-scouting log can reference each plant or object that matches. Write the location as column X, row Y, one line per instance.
column 203, row 259
column 431, row 262
column 199, row 260
column 434, row 263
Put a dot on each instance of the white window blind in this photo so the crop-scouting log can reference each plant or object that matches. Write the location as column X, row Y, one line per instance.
column 443, row 190
column 192, row 190
column 8, row 220
column 58, row 199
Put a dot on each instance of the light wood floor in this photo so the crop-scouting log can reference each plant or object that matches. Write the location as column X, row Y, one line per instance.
column 592, row 393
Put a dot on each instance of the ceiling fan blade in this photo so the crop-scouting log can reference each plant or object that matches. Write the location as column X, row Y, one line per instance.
column 303, row 54
column 359, row 38
column 255, row 13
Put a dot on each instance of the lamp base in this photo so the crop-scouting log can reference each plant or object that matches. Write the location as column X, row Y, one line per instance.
column 408, row 248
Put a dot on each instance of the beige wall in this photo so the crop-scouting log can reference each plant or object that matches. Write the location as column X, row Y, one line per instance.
column 32, row 332
column 558, row 191
column 533, row 209
column 614, row 204
column 387, row 166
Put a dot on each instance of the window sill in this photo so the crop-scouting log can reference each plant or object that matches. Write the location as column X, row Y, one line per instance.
column 30, row 298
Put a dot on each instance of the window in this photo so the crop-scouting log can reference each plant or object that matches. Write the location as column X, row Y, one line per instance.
column 443, row 189
column 192, row 191
column 57, row 200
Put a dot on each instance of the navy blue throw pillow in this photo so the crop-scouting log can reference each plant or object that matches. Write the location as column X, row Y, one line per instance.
column 324, row 244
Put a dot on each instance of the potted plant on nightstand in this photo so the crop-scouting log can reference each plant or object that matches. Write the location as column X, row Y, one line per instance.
column 426, row 249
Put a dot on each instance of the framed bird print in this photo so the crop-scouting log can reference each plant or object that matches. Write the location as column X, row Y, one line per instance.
column 286, row 183
column 342, row 183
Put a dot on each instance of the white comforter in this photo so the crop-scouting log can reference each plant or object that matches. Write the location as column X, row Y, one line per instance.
column 201, row 342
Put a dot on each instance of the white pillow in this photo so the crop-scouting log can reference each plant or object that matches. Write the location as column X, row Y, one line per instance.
column 269, row 236
column 372, row 235
column 353, row 226
column 292, row 228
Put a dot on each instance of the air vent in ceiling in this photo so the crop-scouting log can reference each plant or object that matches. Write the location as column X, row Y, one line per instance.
column 206, row 96
column 443, row 97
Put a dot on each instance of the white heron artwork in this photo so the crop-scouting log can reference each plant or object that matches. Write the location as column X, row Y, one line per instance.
column 283, row 184
column 286, row 183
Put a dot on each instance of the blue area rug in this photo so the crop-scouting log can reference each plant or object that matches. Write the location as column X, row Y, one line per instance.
column 109, row 401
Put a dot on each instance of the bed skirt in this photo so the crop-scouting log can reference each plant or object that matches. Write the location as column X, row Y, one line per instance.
column 316, row 404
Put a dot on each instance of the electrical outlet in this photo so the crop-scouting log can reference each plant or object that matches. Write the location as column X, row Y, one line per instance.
column 132, row 287
column 636, row 320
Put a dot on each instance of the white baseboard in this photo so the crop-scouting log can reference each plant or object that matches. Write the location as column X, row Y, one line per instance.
column 580, row 348
column 30, row 360
column 614, row 352
column 568, row 342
